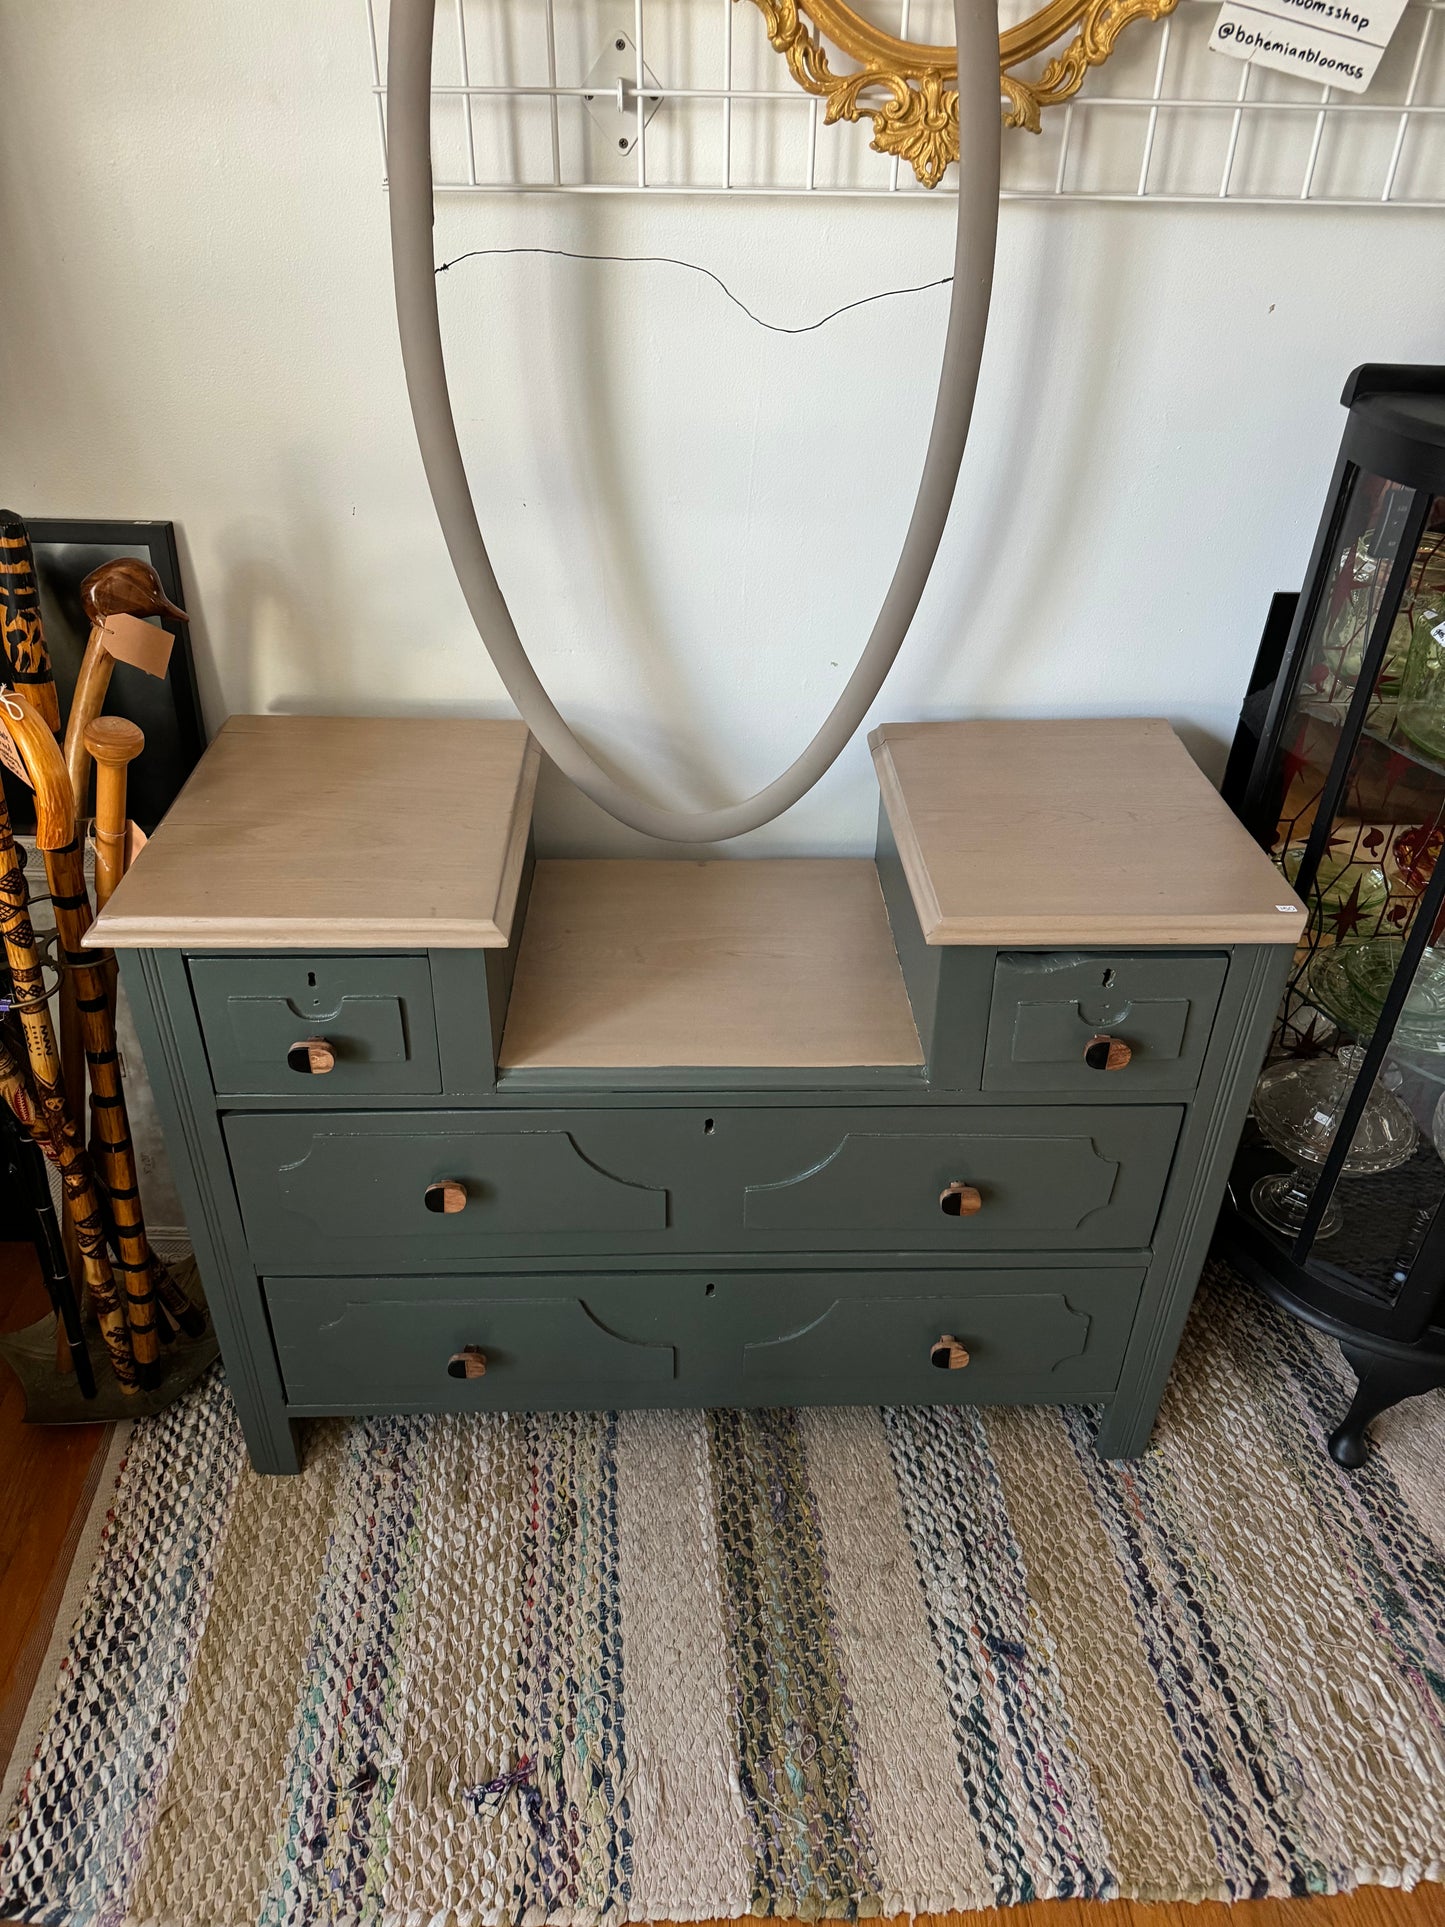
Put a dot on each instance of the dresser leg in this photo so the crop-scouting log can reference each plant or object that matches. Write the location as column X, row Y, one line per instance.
column 272, row 1446
column 1125, row 1429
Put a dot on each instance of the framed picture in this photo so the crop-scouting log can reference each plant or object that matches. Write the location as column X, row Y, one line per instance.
column 169, row 712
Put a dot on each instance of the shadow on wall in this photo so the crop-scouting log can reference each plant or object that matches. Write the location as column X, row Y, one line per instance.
column 275, row 624
column 1028, row 497
column 589, row 368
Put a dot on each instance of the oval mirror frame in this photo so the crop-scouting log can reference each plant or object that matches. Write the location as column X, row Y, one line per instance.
column 905, row 88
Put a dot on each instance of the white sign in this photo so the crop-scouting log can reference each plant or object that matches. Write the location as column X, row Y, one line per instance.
column 1335, row 42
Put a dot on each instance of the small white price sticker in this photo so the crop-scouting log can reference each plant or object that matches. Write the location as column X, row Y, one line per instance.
column 1335, row 42
column 1437, row 634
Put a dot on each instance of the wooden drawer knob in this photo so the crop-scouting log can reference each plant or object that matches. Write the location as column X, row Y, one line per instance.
column 448, row 1195
column 1106, row 1053
column 947, row 1354
column 960, row 1200
column 313, row 1057
column 469, row 1362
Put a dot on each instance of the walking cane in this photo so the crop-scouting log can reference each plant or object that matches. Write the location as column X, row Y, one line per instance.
column 51, row 1123
column 114, row 742
column 21, row 630
column 125, row 587
column 22, row 633
column 64, row 866
column 30, row 1153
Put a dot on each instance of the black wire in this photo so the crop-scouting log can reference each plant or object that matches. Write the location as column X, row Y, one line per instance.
column 694, row 267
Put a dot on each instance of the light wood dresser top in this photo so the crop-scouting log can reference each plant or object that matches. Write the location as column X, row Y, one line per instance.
column 764, row 962
column 337, row 830
column 1072, row 833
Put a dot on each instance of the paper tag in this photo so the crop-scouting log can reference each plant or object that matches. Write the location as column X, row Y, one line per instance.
column 1335, row 42
column 10, row 756
column 135, row 841
column 141, row 644
column 1437, row 634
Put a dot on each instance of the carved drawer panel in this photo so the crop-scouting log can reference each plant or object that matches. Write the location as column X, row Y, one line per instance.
column 331, row 1192
column 974, row 1180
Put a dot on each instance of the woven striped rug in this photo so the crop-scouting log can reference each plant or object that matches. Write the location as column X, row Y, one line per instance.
column 803, row 1663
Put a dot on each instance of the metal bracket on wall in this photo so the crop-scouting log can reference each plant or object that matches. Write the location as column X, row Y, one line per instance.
column 614, row 106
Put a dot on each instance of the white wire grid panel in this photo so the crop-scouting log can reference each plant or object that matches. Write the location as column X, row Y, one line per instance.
column 700, row 103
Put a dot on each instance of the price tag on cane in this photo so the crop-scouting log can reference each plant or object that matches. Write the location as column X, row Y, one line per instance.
column 141, row 644
column 1335, row 42
column 9, row 755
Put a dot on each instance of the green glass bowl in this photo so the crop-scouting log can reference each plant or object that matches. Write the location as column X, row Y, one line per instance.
column 1350, row 982
column 1340, row 878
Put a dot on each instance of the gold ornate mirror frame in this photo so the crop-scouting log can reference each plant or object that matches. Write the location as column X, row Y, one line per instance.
column 905, row 88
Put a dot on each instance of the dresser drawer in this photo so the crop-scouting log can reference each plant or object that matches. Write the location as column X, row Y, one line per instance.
column 1072, row 1022
column 556, row 1341
column 370, row 1016
column 963, row 1179
column 411, row 1191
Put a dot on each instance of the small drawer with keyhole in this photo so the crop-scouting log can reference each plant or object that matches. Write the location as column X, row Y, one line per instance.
column 326, row 1027
column 1107, row 1023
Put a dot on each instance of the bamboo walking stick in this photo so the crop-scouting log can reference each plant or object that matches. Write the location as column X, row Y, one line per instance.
column 31, row 1153
column 114, row 742
column 65, row 868
column 54, row 1118
column 22, row 633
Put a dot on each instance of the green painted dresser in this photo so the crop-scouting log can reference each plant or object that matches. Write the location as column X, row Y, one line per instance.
column 461, row 1130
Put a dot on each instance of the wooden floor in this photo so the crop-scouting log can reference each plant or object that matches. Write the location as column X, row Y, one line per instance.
column 42, row 1473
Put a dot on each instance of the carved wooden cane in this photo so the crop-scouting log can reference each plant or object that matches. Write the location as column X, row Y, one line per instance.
column 21, row 630
column 38, row 1145
column 27, row 666
column 125, row 587
column 114, row 742
column 64, row 866
column 55, row 1129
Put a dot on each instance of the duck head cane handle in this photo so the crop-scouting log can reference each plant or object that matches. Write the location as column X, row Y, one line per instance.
column 21, row 629
column 86, row 969
column 125, row 587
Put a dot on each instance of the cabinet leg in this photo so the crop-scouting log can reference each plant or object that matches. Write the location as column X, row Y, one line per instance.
column 1380, row 1383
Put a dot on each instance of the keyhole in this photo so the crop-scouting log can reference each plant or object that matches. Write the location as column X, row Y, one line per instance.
column 311, row 979
column 708, row 1290
column 708, row 1127
column 1108, row 980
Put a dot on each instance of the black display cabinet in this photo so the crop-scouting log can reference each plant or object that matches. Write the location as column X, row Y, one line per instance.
column 1334, row 1204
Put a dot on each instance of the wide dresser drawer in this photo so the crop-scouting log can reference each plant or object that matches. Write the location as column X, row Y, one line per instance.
column 572, row 1342
column 409, row 1191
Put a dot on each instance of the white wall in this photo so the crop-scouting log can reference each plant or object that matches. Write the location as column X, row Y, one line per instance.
column 694, row 519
